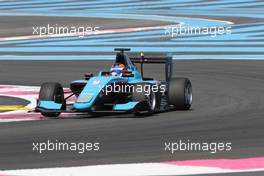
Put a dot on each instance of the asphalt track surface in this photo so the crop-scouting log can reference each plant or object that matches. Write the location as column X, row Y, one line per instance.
column 228, row 107
column 12, row 101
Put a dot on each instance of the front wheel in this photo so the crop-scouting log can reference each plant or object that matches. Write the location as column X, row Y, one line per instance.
column 149, row 100
column 51, row 91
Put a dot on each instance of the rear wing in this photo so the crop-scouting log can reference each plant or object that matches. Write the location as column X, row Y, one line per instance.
column 167, row 61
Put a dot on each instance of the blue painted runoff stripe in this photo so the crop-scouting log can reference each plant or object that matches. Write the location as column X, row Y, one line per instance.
column 112, row 57
column 88, row 57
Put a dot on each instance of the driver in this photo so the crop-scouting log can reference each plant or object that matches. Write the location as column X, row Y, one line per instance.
column 117, row 69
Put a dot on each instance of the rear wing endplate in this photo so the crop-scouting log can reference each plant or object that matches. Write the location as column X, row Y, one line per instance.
column 167, row 60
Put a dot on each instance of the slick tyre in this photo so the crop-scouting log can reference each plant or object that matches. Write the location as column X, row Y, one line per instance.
column 180, row 93
column 149, row 100
column 51, row 91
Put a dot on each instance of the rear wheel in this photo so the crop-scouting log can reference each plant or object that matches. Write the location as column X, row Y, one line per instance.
column 51, row 91
column 180, row 93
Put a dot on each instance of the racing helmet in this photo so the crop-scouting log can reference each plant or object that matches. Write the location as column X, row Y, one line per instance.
column 117, row 69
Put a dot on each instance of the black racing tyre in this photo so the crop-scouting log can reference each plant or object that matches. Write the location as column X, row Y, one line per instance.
column 51, row 91
column 150, row 100
column 180, row 93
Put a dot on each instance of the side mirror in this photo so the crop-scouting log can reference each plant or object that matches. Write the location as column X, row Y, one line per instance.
column 87, row 76
column 128, row 74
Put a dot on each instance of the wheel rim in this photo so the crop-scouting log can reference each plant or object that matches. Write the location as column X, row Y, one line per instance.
column 152, row 101
column 188, row 94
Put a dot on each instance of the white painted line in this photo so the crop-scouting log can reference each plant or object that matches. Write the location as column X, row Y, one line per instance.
column 141, row 169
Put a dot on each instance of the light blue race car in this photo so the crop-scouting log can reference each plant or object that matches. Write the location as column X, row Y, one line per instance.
column 122, row 89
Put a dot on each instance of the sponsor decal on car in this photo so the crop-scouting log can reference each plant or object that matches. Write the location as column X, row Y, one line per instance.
column 95, row 82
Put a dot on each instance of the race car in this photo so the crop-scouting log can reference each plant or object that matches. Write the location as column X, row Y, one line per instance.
column 123, row 88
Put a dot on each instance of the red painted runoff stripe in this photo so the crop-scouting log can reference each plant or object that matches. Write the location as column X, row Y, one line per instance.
column 20, row 116
column 234, row 164
column 20, row 92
